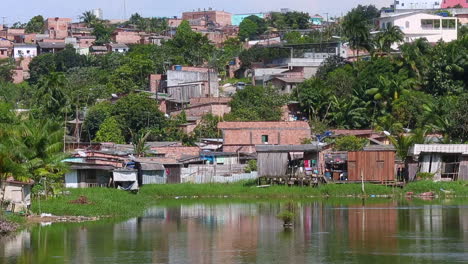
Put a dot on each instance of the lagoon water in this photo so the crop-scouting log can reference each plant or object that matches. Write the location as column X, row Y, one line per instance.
column 350, row 231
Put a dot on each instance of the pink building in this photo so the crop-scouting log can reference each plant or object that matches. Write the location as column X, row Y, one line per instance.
column 220, row 18
column 243, row 136
column 57, row 27
column 452, row 3
column 126, row 37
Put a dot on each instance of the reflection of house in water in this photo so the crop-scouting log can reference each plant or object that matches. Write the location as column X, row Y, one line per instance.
column 373, row 227
column 448, row 162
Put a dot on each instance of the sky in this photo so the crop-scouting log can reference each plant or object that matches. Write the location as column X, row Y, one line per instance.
column 114, row 9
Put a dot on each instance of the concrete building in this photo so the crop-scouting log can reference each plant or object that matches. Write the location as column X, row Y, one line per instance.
column 57, row 27
column 6, row 48
column 121, row 48
column 219, row 18
column 24, row 51
column 417, row 4
column 415, row 25
column 98, row 13
column 243, row 136
column 453, row 3
column 448, row 162
column 50, row 47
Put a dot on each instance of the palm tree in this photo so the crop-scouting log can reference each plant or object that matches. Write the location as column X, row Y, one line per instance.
column 356, row 30
column 403, row 143
column 386, row 38
column 414, row 57
column 389, row 90
column 89, row 18
column 349, row 113
column 51, row 93
column 139, row 143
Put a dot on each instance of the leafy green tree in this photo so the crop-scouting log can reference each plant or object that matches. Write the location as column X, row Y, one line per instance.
column 41, row 66
column 95, row 116
column 350, row 143
column 252, row 27
column 35, row 25
column 18, row 25
column 342, row 81
column 349, row 113
column 6, row 70
column 330, row 64
column 110, row 131
column 314, row 99
column 415, row 58
column 51, row 95
column 208, row 127
column 136, row 112
column 290, row 20
column 410, row 109
column 190, row 47
column 459, row 120
column 132, row 74
column 256, row 103
column 102, row 32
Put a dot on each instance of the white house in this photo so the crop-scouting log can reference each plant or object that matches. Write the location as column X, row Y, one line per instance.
column 115, row 47
column 415, row 25
column 24, row 50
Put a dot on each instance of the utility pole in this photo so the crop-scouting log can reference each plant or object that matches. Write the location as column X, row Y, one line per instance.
column 3, row 20
column 125, row 9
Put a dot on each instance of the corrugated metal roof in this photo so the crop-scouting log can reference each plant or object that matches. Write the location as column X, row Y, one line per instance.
column 417, row 149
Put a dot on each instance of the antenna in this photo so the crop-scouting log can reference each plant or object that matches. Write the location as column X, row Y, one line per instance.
column 125, row 9
column 3, row 20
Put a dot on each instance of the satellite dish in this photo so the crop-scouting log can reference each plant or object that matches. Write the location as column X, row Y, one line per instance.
column 387, row 133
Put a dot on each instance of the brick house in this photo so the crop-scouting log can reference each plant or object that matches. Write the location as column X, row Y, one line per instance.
column 243, row 136
column 220, row 18
column 57, row 27
column 200, row 106
column 126, row 37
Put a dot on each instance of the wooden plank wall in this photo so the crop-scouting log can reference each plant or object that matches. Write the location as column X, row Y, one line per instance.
column 272, row 164
column 463, row 172
column 376, row 166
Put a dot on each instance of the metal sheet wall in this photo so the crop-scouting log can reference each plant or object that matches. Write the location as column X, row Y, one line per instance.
column 376, row 166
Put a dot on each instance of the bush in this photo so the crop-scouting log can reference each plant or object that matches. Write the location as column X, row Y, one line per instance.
column 425, row 176
column 251, row 166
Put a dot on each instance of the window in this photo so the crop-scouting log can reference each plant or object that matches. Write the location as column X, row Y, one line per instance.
column 448, row 23
column 430, row 23
column 265, row 139
column 28, row 51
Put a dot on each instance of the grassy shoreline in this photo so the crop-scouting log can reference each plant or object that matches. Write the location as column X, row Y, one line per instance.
column 116, row 203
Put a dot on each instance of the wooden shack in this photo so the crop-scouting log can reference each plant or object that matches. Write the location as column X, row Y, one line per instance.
column 277, row 160
column 373, row 165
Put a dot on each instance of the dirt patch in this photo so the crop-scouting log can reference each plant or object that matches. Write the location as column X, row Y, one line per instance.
column 81, row 200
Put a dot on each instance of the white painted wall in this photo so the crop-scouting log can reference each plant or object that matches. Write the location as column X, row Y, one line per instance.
column 71, row 179
column 24, row 51
column 411, row 26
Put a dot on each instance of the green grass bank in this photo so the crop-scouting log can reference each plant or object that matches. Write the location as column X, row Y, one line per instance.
column 117, row 203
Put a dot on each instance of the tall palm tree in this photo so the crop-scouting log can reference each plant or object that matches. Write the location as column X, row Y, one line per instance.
column 386, row 38
column 414, row 57
column 356, row 30
column 51, row 94
column 88, row 18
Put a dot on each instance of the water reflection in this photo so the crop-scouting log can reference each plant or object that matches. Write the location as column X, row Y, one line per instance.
column 361, row 232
